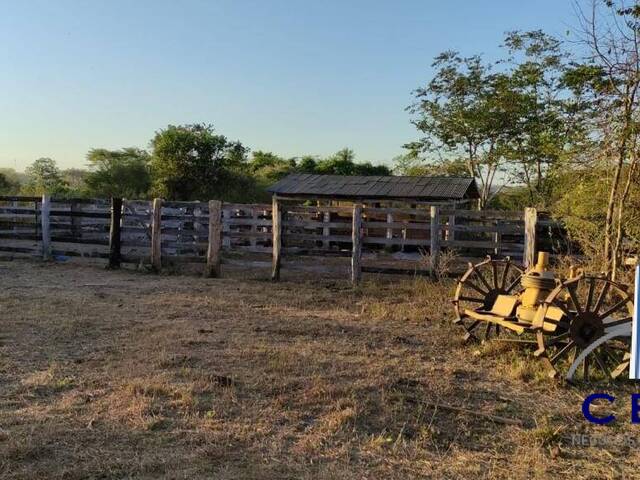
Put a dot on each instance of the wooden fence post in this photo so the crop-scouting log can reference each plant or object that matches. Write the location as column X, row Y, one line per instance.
column 530, row 220
column 215, row 239
column 276, row 228
column 356, row 241
column 114, row 232
column 435, row 238
column 76, row 220
column 156, row 235
column 326, row 231
column 45, row 219
column 497, row 239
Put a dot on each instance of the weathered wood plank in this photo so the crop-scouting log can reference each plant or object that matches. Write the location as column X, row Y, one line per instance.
column 215, row 239
column 45, row 218
column 435, row 238
column 530, row 220
column 156, row 235
column 114, row 233
column 277, row 239
column 356, row 245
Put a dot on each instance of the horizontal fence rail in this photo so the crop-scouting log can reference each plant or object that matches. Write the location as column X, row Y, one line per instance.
column 161, row 232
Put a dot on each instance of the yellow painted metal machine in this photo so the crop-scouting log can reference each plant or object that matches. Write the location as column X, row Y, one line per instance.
column 561, row 316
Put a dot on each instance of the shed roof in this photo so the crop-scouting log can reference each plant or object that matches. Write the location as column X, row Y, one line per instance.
column 376, row 187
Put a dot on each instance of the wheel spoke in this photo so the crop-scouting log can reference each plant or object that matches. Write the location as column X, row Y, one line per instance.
column 487, row 330
column 562, row 351
column 494, row 271
column 615, row 323
column 472, row 326
column 574, row 298
column 505, row 272
column 602, row 364
column 482, row 279
column 513, row 284
column 469, row 283
column 470, row 299
column 560, row 338
column 563, row 307
column 615, row 308
column 585, row 369
column 602, row 296
column 592, row 284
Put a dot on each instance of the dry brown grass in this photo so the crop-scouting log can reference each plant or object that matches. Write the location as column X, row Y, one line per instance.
column 122, row 374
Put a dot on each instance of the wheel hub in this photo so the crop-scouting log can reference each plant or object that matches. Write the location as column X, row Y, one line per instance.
column 585, row 328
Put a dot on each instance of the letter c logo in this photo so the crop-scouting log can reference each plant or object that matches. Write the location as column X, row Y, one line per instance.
column 587, row 413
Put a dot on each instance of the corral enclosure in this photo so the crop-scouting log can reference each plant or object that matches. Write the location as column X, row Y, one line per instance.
column 389, row 239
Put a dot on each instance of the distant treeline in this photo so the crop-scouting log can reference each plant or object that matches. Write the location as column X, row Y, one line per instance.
column 185, row 162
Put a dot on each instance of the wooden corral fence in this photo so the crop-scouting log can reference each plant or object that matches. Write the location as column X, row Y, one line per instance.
column 159, row 232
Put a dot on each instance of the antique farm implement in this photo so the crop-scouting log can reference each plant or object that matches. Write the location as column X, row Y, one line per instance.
column 562, row 317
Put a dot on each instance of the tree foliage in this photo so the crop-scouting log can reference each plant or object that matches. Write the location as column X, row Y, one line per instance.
column 118, row 173
column 192, row 162
column 44, row 176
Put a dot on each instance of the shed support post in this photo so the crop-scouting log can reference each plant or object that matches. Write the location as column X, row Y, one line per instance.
column 389, row 234
column 451, row 233
column 156, row 235
column 530, row 220
column 276, row 216
column 356, row 241
column 215, row 239
column 114, row 233
column 435, row 239
column 45, row 222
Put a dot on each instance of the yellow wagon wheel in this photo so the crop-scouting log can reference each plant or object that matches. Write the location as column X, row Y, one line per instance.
column 586, row 307
column 478, row 290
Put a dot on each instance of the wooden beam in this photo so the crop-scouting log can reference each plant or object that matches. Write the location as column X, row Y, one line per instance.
column 530, row 221
column 114, row 232
column 45, row 220
column 356, row 241
column 156, row 235
column 215, row 239
column 276, row 215
column 435, row 238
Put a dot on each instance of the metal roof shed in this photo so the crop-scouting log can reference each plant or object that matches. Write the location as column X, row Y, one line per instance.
column 376, row 188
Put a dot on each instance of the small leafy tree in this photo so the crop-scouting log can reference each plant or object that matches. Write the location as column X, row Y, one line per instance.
column 192, row 162
column 343, row 163
column 43, row 176
column 118, row 173
column 462, row 115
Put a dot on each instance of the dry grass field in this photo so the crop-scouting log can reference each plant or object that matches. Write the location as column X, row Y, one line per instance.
column 123, row 374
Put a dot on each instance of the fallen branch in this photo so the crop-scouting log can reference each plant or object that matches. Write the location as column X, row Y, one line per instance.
column 475, row 413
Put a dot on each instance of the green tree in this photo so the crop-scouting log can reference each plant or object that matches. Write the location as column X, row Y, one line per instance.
column 461, row 114
column 9, row 183
column 411, row 164
column 269, row 167
column 192, row 162
column 43, row 176
column 343, row 163
column 551, row 122
column 307, row 164
column 75, row 178
column 118, row 173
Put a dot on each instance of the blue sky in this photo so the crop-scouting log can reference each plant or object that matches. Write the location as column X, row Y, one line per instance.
column 292, row 77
